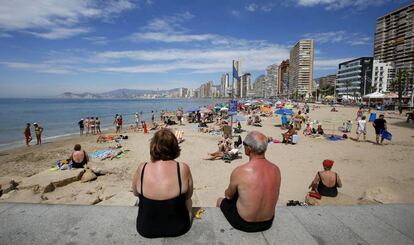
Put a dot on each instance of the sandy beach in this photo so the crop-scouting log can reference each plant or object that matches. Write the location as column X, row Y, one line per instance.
column 383, row 174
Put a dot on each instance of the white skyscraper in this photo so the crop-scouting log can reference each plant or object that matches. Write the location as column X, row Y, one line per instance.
column 236, row 78
column 224, row 85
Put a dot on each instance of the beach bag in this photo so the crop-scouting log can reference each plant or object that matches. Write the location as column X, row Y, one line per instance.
column 372, row 117
column 386, row 135
column 315, row 195
column 294, row 139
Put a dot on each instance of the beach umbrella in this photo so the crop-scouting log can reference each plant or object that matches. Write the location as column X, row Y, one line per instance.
column 210, row 107
column 247, row 104
column 288, row 106
column 284, row 111
column 329, row 97
column 224, row 109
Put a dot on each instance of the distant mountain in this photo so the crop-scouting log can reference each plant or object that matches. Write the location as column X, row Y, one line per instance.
column 69, row 95
column 117, row 94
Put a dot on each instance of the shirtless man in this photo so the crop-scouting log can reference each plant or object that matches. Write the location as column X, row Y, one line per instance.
column 250, row 200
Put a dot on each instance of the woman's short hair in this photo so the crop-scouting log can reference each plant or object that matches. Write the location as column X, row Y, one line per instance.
column 164, row 146
column 77, row 147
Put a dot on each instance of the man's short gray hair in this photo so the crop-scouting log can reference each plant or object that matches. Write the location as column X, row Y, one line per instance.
column 257, row 142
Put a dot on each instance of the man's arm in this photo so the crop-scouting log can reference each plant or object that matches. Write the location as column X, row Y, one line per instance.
column 232, row 188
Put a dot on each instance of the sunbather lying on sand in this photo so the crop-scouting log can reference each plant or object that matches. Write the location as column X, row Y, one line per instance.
column 114, row 154
column 103, row 138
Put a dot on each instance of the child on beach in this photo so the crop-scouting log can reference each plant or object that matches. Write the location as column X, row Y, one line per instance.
column 28, row 134
column 362, row 129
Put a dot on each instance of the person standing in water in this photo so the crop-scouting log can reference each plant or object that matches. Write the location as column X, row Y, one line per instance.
column 28, row 134
column 38, row 132
column 98, row 125
column 81, row 126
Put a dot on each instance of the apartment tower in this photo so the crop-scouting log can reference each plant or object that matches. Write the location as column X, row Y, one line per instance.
column 301, row 68
column 394, row 39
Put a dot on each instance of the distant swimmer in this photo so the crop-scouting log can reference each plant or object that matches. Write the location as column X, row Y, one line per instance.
column 81, row 126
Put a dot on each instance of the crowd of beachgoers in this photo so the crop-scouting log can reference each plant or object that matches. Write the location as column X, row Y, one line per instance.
column 252, row 185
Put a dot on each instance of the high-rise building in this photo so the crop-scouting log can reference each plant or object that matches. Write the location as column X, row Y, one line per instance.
column 224, row 85
column 245, row 85
column 382, row 76
column 182, row 92
column 301, row 68
column 354, row 77
column 236, row 78
column 272, row 78
column 283, row 78
column 394, row 39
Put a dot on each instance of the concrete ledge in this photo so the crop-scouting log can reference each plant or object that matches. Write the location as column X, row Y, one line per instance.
column 73, row 224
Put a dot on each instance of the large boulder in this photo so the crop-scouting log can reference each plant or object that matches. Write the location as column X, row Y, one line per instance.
column 88, row 176
column 47, row 180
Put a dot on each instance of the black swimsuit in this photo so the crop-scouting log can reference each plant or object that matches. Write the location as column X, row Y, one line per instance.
column 328, row 191
column 163, row 218
column 80, row 164
column 229, row 209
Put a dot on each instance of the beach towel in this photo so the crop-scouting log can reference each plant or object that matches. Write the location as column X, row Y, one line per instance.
column 101, row 153
column 334, row 138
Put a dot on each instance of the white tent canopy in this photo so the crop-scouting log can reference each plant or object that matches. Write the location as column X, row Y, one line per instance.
column 375, row 95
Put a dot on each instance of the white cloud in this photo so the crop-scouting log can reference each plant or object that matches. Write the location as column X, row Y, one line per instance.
column 97, row 40
column 252, row 7
column 38, row 17
column 339, row 4
column 170, row 38
column 60, row 33
column 5, row 35
column 40, row 68
column 235, row 12
column 339, row 37
column 329, row 64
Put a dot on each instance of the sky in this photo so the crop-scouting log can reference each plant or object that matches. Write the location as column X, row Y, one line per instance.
column 51, row 47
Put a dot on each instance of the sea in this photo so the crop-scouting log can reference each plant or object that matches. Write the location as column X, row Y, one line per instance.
column 60, row 117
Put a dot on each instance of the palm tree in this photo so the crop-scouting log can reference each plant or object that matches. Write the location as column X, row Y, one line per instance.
column 400, row 84
column 347, row 85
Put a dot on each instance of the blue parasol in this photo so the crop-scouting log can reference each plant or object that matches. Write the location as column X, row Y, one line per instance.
column 284, row 111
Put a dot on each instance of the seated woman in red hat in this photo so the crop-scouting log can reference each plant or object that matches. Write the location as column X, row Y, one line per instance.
column 326, row 182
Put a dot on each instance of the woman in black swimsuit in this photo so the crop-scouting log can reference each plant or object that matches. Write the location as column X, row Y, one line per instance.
column 164, row 188
column 326, row 182
column 77, row 160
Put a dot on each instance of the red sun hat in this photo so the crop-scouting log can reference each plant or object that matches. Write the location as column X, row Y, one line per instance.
column 328, row 163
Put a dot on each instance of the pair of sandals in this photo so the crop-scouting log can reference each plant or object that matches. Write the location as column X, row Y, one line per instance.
column 296, row 203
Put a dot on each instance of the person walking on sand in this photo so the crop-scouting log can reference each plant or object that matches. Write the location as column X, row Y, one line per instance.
column 362, row 128
column 98, row 125
column 38, row 132
column 380, row 125
column 250, row 199
column 180, row 116
column 28, row 134
column 81, row 126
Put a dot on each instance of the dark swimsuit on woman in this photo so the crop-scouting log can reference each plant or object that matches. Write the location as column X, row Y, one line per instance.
column 229, row 209
column 162, row 218
column 328, row 191
column 80, row 164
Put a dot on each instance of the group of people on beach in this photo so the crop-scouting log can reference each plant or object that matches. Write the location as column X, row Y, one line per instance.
column 38, row 132
column 92, row 125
